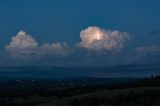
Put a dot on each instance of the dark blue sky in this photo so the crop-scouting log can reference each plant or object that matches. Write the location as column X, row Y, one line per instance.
column 49, row 21
column 62, row 20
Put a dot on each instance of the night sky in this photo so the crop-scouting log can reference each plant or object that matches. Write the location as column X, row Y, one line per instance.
column 81, row 33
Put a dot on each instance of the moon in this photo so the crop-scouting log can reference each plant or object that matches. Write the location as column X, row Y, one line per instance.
column 98, row 36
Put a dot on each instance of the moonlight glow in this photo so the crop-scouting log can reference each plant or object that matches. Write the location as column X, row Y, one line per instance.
column 96, row 38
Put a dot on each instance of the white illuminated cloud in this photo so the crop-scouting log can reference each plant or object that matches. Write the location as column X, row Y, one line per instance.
column 92, row 38
column 96, row 38
column 24, row 44
column 22, row 40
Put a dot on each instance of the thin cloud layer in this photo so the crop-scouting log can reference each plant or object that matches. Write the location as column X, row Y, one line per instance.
column 95, row 38
column 148, row 50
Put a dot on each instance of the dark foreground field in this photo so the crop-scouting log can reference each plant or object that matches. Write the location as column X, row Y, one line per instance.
column 81, row 92
column 124, row 97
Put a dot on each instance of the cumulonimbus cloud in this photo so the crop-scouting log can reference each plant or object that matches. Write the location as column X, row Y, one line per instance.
column 92, row 38
column 95, row 38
